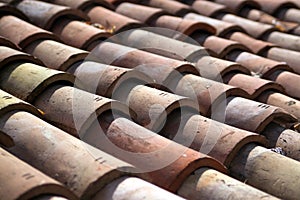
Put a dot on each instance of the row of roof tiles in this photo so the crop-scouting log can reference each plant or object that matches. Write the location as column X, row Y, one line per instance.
column 57, row 102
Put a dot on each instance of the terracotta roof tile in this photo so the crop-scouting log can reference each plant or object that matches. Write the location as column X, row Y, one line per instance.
column 59, row 56
column 79, row 34
column 274, row 7
column 84, row 178
column 160, row 81
column 22, row 33
column 22, row 181
column 12, row 79
column 277, row 99
column 222, row 27
column 111, row 20
column 256, row 115
column 5, row 42
column 252, row 85
column 9, row 55
column 44, row 14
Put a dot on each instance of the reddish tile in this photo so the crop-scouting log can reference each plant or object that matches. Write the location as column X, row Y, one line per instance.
column 8, row 56
column 273, row 7
column 292, row 58
column 133, row 188
column 157, row 17
column 110, row 20
column 172, row 7
column 24, row 182
column 222, row 27
column 215, row 69
column 5, row 42
column 56, row 55
column 256, row 46
column 141, row 13
column 252, row 85
column 158, row 44
column 82, row 168
column 44, row 14
column 79, row 34
column 237, row 5
column 255, row 29
column 280, row 100
column 61, row 106
column 254, row 116
column 123, row 133
column 259, row 66
column 218, row 45
column 159, row 68
column 289, row 81
column 104, row 79
column 227, row 139
column 81, row 4
column 22, row 33
column 208, row 8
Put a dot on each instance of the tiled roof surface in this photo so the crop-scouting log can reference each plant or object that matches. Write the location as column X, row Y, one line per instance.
column 150, row 99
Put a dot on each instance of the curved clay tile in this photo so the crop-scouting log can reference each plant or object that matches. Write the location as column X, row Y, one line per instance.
column 56, row 55
column 49, row 197
column 280, row 100
column 141, row 13
column 255, row 29
column 254, row 116
column 22, row 33
column 6, row 9
column 184, row 26
column 172, row 7
column 156, row 17
column 273, row 7
column 26, row 80
column 222, row 27
column 237, row 5
column 287, row 139
column 158, row 44
column 227, row 140
column 205, row 91
column 62, row 152
column 215, row 68
column 63, row 106
column 110, row 20
column 133, row 188
column 82, row 4
column 284, row 40
column 159, row 68
column 259, row 66
column 292, row 58
column 8, row 56
column 44, row 14
column 218, row 45
column 252, row 85
column 260, row 162
column 209, row 187
column 256, row 46
column 123, row 133
column 260, row 16
column 5, row 42
column 289, row 81
column 10, row 103
column 153, row 106
column 289, row 14
column 104, row 79
column 21, row 181
column 208, row 8
column 79, row 34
